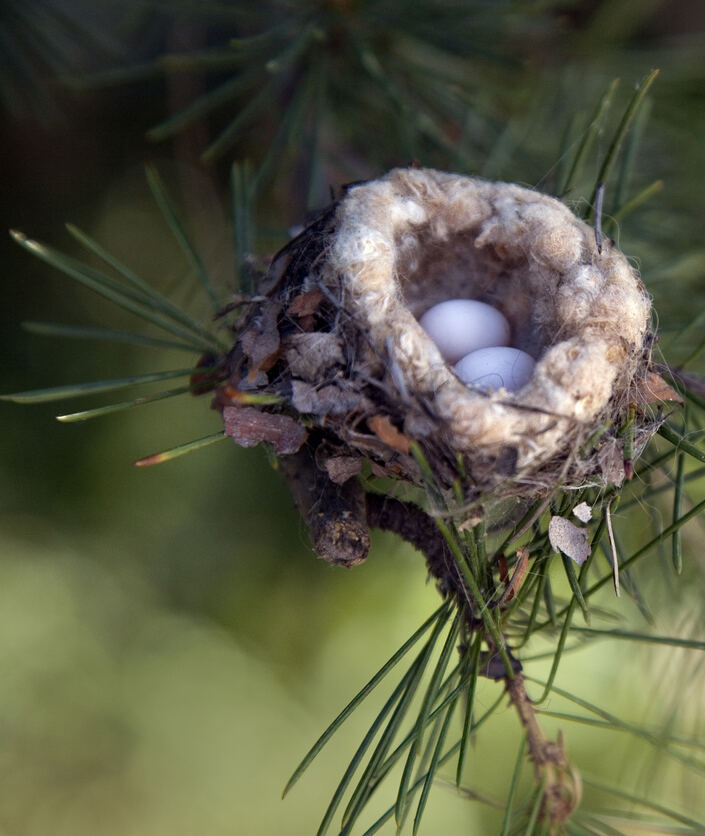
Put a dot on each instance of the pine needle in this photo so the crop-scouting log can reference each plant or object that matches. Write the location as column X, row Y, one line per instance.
column 122, row 295
column 659, row 742
column 205, row 103
column 635, row 202
column 83, row 332
column 429, row 698
column 535, row 811
column 242, row 200
column 681, row 444
column 613, row 151
column 671, row 641
column 361, row 750
column 509, row 808
column 474, row 666
column 151, row 296
column 375, row 770
column 100, row 411
column 164, row 202
column 608, row 725
column 75, row 390
column 181, row 450
column 669, row 812
column 433, row 766
column 575, row 586
column 594, row 128
column 361, row 695
column 229, row 135
column 441, row 761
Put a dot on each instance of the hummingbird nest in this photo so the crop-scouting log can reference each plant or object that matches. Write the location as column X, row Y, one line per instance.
column 333, row 369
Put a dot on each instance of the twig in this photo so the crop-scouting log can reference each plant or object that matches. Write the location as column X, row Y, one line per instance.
column 562, row 784
column 412, row 524
column 335, row 514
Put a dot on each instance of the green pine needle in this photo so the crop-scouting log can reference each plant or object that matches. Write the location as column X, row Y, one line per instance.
column 474, row 665
column 220, row 95
column 375, row 770
column 680, row 443
column 509, row 809
column 633, row 798
column 660, row 742
column 168, row 209
column 575, row 586
column 110, row 409
column 227, row 137
column 75, row 390
column 361, row 695
column 356, row 759
column 122, row 295
column 560, row 646
column 287, row 137
column 151, row 297
column 242, row 200
column 433, row 766
column 626, row 122
column 456, row 691
column 648, row 638
column 609, row 725
column 677, row 549
column 535, row 809
column 181, row 450
column 595, row 126
column 429, row 698
column 635, row 202
column 84, row 332
column 450, row 753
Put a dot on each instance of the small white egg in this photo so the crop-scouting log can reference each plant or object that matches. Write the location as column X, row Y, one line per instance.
column 459, row 326
column 496, row 367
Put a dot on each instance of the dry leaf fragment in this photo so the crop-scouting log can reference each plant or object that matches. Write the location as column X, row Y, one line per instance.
column 383, row 428
column 583, row 512
column 653, row 388
column 513, row 585
column 566, row 537
column 328, row 400
column 310, row 355
column 261, row 342
column 342, row 468
column 248, row 427
column 305, row 304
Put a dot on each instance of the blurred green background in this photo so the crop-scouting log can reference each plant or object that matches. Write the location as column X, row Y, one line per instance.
column 169, row 645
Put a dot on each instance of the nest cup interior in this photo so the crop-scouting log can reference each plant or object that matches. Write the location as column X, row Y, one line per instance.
column 456, row 269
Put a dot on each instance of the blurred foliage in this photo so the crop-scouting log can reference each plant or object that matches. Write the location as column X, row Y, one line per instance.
column 170, row 649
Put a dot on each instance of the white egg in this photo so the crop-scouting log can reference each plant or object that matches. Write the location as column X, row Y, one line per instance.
column 496, row 367
column 459, row 326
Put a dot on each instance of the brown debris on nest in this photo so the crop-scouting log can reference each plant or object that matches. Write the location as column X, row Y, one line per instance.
column 334, row 339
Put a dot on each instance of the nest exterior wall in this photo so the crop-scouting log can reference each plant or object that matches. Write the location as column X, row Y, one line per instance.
column 416, row 236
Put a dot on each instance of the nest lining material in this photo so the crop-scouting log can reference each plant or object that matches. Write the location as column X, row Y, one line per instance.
column 393, row 247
